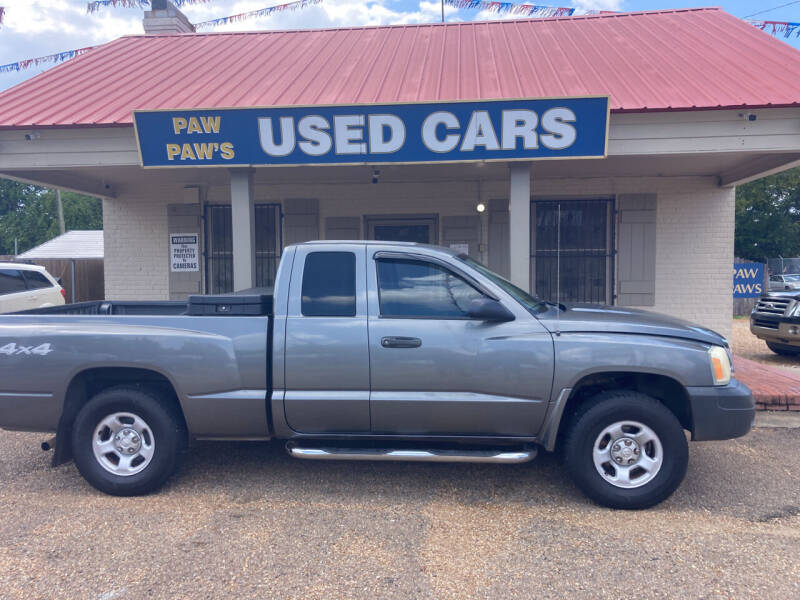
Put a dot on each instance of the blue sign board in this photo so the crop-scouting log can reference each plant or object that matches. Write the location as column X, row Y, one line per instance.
column 375, row 134
column 748, row 280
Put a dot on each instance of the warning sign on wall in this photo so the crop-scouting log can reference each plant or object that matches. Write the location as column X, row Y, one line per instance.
column 184, row 251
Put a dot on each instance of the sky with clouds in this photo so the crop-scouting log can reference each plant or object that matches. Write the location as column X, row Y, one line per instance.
column 34, row 28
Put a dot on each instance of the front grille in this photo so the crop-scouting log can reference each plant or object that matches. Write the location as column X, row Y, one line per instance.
column 765, row 323
column 772, row 306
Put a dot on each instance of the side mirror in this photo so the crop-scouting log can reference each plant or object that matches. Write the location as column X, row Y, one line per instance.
column 486, row 309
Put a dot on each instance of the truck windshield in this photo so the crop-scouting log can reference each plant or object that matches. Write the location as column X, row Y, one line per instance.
column 533, row 304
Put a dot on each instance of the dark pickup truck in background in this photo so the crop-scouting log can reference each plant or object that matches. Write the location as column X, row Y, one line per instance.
column 776, row 320
column 374, row 351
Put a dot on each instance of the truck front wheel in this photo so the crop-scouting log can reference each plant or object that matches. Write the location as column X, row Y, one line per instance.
column 127, row 441
column 625, row 449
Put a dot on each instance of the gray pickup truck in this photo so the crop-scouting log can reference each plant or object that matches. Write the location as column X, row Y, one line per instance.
column 373, row 351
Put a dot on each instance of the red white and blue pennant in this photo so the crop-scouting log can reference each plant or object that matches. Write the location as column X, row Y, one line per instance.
column 92, row 7
column 255, row 14
column 528, row 10
column 776, row 28
column 56, row 58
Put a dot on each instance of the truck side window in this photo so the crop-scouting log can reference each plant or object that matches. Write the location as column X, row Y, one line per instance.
column 411, row 288
column 329, row 285
column 11, row 281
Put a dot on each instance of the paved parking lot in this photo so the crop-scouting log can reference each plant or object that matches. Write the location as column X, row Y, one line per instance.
column 246, row 520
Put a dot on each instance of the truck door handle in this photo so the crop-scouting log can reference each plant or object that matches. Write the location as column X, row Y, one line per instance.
column 400, row 342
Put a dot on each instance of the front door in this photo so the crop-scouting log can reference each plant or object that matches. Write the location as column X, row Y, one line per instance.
column 327, row 357
column 419, row 229
column 434, row 371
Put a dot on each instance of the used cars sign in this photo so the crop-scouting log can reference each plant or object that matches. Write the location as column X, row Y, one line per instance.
column 375, row 134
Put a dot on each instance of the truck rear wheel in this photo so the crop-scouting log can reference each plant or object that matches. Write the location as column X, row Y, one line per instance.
column 127, row 441
column 625, row 449
column 783, row 350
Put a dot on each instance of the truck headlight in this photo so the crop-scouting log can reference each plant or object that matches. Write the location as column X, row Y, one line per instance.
column 720, row 365
column 795, row 310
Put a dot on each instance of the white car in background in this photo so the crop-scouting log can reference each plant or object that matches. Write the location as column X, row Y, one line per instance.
column 28, row 286
column 784, row 282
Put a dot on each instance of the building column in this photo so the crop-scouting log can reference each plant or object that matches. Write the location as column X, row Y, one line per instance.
column 243, row 227
column 519, row 229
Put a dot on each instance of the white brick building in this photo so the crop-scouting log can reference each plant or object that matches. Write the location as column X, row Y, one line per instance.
column 650, row 225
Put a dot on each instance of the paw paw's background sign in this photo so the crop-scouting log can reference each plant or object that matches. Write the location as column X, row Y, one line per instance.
column 748, row 280
column 484, row 130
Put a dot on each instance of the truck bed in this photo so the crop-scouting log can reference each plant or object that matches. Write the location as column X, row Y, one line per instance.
column 116, row 307
column 239, row 304
column 219, row 368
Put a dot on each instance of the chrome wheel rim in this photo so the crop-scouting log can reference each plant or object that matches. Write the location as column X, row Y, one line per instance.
column 628, row 454
column 123, row 444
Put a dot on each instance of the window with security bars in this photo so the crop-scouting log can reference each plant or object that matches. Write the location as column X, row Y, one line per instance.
column 586, row 250
column 219, row 246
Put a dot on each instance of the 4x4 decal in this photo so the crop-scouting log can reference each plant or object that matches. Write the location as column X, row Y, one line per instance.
column 14, row 349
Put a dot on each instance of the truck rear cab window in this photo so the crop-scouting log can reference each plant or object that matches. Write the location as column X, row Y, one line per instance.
column 329, row 285
column 36, row 281
column 418, row 289
column 11, row 281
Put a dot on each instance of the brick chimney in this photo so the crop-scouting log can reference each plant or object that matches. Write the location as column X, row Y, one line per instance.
column 165, row 18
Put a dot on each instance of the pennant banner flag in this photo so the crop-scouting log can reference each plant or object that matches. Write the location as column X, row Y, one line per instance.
column 98, row 4
column 528, row 10
column 785, row 28
column 56, row 58
column 93, row 7
column 254, row 14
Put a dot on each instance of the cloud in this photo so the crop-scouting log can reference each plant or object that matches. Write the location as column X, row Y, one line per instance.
column 586, row 5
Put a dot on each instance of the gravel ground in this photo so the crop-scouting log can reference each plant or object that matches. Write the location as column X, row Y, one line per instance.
column 246, row 520
column 746, row 345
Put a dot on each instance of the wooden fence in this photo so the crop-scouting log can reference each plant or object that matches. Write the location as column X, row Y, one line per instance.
column 89, row 280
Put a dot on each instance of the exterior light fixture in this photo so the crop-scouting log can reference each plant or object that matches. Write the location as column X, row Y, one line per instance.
column 481, row 207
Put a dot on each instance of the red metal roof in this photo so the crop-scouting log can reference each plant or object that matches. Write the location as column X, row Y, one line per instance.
column 660, row 60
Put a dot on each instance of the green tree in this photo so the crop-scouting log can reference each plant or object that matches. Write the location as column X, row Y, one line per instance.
column 768, row 217
column 28, row 213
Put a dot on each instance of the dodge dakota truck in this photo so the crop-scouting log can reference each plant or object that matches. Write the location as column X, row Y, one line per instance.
column 373, row 351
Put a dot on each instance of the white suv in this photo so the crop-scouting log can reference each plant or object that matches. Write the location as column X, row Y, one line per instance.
column 27, row 286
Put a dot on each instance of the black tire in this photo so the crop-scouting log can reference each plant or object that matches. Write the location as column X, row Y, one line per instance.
column 606, row 409
column 166, row 431
column 783, row 350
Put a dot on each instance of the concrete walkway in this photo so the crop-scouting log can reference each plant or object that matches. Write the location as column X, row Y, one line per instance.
column 773, row 389
column 773, row 419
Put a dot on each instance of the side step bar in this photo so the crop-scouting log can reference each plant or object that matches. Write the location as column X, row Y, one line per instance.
column 453, row 456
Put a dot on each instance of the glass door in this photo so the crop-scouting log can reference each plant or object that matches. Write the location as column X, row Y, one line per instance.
column 583, row 268
column 219, row 246
column 420, row 229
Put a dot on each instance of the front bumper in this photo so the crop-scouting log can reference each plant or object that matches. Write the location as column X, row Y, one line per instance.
column 721, row 413
column 782, row 330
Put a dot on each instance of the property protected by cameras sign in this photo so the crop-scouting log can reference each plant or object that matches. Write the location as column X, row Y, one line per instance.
column 487, row 130
column 184, row 250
